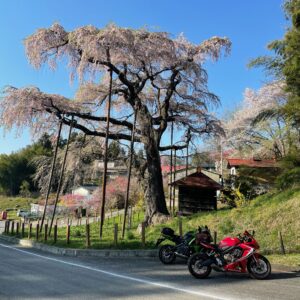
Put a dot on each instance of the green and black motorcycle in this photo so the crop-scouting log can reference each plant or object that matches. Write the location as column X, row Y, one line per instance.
column 182, row 247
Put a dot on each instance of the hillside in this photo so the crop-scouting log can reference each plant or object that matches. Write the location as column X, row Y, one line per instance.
column 267, row 215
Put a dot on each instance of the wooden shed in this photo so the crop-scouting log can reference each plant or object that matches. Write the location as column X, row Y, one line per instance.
column 196, row 192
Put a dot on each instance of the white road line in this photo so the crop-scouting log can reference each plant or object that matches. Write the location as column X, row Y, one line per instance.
column 162, row 285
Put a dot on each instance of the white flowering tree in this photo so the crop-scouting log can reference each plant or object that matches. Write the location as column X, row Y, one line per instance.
column 160, row 78
column 258, row 124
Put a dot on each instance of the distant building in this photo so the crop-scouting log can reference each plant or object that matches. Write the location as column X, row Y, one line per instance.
column 114, row 169
column 84, row 190
column 235, row 163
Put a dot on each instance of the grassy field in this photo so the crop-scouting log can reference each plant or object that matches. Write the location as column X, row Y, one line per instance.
column 15, row 203
column 267, row 215
column 290, row 260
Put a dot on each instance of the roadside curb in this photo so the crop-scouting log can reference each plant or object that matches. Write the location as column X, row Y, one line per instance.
column 285, row 268
column 105, row 253
column 79, row 252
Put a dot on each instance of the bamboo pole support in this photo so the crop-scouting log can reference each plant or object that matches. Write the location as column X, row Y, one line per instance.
column 61, row 174
column 51, row 174
column 102, row 213
column 129, row 175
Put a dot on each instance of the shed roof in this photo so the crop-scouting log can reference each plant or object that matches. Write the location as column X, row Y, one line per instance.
column 255, row 163
column 198, row 180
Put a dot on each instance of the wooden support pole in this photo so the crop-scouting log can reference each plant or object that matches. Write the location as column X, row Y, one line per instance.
column 281, row 243
column 102, row 213
column 171, row 169
column 51, row 173
column 174, row 190
column 116, row 234
column 187, row 160
column 61, row 177
column 143, row 234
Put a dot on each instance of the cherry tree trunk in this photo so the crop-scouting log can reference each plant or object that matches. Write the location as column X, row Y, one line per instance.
column 156, row 209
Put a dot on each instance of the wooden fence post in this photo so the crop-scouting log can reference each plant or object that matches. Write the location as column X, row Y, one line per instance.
column 68, row 233
column 37, row 231
column 18, row 228
column 215, row 237
column 55, row 233
column 281, row 243
column 12, row 227
column 143, row 234
column 30, row 230
column 46, row 232
column 7, row 226
column 23, row 230
column 87, row 235
column 116, row 234
column 180, row 225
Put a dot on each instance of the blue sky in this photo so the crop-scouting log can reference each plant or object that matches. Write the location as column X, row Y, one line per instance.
column 250, row 25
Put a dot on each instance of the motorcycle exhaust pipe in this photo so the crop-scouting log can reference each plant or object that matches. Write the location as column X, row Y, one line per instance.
column 181, row 255
column 208, row 262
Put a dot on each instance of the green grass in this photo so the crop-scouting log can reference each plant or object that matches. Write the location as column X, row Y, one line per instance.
column 15, row 203
column 267, row 215
column 291, row 260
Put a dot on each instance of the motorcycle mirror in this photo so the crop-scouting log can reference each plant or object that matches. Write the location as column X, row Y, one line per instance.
column 253, row 232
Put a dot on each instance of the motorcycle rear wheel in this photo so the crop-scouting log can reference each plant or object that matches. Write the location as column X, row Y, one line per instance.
column 195, row 267
column 166, row 254
column 259, row 267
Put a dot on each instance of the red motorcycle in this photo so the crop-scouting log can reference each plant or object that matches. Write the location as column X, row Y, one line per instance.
column 236, row 254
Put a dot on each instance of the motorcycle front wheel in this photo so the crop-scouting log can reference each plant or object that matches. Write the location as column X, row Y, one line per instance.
column 196, row 268
column 166, row 254
column 259, row 267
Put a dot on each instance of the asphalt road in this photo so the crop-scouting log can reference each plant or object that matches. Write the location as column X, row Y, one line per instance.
column 31, row 274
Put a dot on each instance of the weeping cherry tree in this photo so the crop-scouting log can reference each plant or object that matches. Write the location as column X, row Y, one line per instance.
column 159, row 77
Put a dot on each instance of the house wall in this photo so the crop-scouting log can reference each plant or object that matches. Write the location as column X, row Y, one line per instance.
column 193, row 200
column 81, row 192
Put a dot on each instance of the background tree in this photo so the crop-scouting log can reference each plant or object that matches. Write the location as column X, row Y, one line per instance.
column 257, row 127
column 285, row 64
column 16, row 170
column 160, row 78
